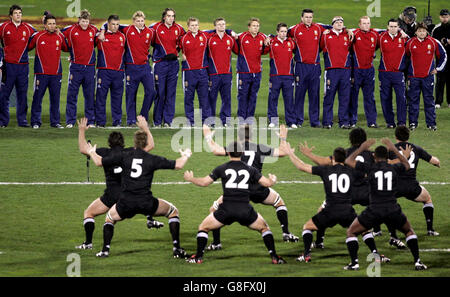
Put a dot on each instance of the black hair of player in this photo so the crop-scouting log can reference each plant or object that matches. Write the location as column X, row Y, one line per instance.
column 381, row 152
column 113, row 17
column 402, row 133
column 392, row 21
column 164, row 13
column 116, row 139
column 14, row 7
column 357, row 136
column 245, row 133
column 307, row 10
column 339, row 155
column 235, row 149
column 49, row 17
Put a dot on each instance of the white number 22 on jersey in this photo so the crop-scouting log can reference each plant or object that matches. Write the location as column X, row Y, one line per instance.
column 231, row 184
column 136, row 168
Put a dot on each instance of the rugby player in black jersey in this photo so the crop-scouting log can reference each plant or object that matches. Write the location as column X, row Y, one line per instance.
column 253, row 155
column 408, row 186
column 337, row 180
column 237, row 178
column 136, row 196
column 112, row 177
column 383, row 207
column 360, row 186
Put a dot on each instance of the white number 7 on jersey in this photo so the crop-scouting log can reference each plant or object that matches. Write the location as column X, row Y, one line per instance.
column 136, row 168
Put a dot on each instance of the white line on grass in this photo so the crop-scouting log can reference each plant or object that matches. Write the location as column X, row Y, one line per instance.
column 172, row 183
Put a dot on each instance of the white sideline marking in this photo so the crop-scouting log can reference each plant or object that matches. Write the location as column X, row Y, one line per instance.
column 434, row 250
column 171, row 183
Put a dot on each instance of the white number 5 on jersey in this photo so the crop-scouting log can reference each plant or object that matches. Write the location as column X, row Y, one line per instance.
column 136, row 168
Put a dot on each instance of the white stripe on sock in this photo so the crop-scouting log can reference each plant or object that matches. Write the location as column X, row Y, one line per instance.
column 351, row 239
column 266, row 233
column 414, row 236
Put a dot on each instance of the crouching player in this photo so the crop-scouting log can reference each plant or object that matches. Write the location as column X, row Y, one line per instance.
column 236, row 178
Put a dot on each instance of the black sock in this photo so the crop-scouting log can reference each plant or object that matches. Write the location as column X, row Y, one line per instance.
column 307, row 240
column 269, row 242
column 174, row 227
column 202, row 240
column 283, row 218
column 89, row 226
column 413, row 245
column 320, row 234
column 108, row 232
column 150, row 218
column 370, row 242
column 216, row 236
column 376, row 228
column 352, row 246
column 392, row 231
column 428, row 210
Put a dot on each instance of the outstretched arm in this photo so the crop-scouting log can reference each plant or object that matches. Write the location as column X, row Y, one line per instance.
column 94, row 156
column 199, row 181
column 388, row 143
column 143, row 125
column 435, row 161
column 283, row 136
column 267, row 182
column 82, row 144
column 181, row 161
column 319, row 160
column 214, row 147
column 351, row 160
column 299, row 164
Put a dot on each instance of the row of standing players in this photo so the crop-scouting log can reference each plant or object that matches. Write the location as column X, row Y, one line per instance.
column 348, row 57
column 352, row 176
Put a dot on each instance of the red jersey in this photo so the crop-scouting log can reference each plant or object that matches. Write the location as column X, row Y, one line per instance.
column 219, row 53
column 307, row 39
column 15, row 41
column 336, row 50
column 111, row 51
column 250, row 51
column 393, row 52
column 138, row 44
column 195, row 50
column 81, row 43
column 281, row 57
column 166, row 40
column 48, row 52
column 364, row 46
column 422, row 55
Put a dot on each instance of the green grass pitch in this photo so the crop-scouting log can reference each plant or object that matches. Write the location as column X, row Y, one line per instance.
column 41, row 224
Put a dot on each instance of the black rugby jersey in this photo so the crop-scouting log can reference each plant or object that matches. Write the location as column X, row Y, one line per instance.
column 416, row 153
column 337, row 180
column 138, row 168
column 236, row 177
column 254, row 154
column 383, row 180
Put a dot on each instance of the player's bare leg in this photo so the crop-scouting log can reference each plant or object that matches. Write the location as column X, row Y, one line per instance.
column 277, row 202
column 108, row 231
column 216, row 244
column 208, row 224
column 168, row 210
column 261, row 226
column 428, row 210
column 94, row 209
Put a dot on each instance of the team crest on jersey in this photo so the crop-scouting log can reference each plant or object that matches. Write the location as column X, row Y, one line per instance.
column 148, row 35
column 176, row 32
column 276, row 44
column 429, row 46
column 372, row 39
column 315, row 32
column 57, row 42
column 345, row 38
column 90, row 34
column 121, row 39
column 260, row 42
column 289, row 44
column 128, row 78
column 399, row 40
column 201, row 38
column 228, row 42
column 99, row 81
column 24, row 33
